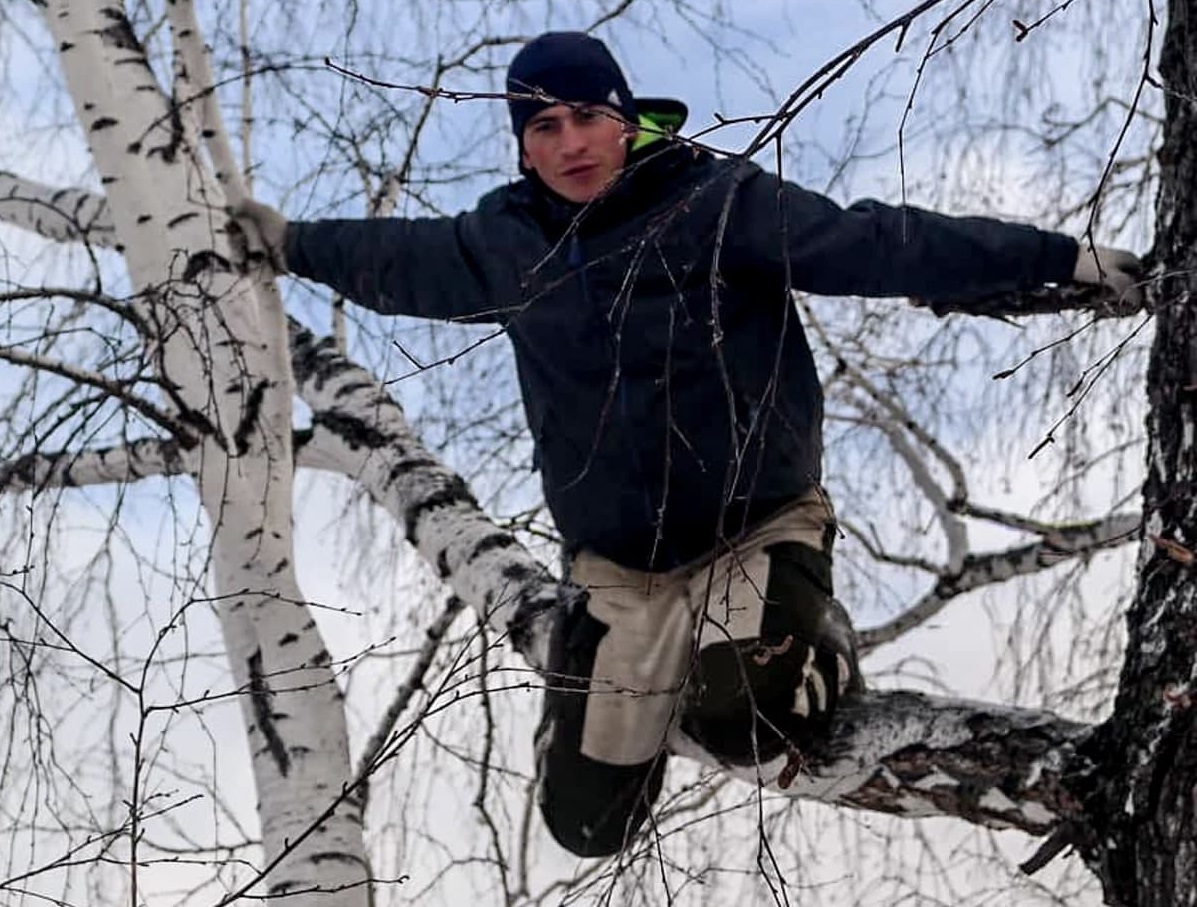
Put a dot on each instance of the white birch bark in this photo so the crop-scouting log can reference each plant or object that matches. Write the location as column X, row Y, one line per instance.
column 59, row 214
column 167, row 211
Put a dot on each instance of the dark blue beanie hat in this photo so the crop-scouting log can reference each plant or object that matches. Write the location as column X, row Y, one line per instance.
column 570, row 67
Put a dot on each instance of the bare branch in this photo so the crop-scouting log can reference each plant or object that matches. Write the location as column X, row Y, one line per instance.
column 483, row 564
column 378, row 741
column 915, row 755
column 1061, row 544
column 954, row 529
column 1099, row 300
column 117, row 389
column 138, row 459
column 63, row 215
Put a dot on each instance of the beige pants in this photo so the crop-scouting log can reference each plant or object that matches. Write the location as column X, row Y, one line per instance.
column 658, row 622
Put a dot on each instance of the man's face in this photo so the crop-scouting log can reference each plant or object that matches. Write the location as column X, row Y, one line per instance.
column 576, row 151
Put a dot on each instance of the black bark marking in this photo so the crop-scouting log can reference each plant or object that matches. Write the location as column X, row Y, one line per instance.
column 455, row 492
column 23, row 470
column 261, row 698
column 406, row 467
column 204, row 260
column 182, row 218
column 520, row 573
column 289, row 639
column 332, row 857
column 493, row 542
column 355, row 432
column 253, row 408
column 120, row 33
column 101, row 123
column 352, row 387
column 169, row 150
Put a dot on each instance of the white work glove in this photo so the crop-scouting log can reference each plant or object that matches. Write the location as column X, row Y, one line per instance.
column 259, row 233
column 1116, row 269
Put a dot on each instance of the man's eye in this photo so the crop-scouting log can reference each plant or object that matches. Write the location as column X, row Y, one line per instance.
column 586, row 115
column 542, row 126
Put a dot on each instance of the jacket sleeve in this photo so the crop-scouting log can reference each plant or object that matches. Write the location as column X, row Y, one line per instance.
column 872, row 249
column 427, row 267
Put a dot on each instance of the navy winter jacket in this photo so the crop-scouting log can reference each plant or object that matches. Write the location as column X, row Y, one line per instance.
column 666, row 379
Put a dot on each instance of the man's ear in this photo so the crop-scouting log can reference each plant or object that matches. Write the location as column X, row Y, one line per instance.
column 524, row 161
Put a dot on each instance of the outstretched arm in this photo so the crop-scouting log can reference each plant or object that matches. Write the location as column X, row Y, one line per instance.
column 427, row 267
column 873, row 249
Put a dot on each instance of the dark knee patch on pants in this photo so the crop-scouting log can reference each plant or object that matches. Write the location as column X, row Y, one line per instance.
column 591, row 808
column 741, row 706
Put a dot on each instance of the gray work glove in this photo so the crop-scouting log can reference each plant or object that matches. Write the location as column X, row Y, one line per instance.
column 259, row 234
column 1116, row 269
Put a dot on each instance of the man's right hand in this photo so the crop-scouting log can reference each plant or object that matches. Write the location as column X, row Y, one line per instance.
column 259, row 233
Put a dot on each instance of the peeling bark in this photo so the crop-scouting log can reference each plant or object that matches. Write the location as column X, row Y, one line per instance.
column 914, row 755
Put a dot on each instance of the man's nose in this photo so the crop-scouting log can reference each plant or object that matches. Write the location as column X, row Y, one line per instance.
column 573, row 139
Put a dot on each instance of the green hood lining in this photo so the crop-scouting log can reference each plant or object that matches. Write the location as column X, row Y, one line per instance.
column 656, row 124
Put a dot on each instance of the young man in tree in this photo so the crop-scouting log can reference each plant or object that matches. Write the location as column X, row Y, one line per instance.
column 674, row 405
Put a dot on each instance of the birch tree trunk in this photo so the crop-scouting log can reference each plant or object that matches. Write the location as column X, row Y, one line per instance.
column 217, row 359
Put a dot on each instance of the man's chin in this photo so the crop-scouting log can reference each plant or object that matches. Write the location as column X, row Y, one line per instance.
column 582, row 191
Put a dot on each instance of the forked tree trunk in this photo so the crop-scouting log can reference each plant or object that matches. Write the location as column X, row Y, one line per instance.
column 212, row 347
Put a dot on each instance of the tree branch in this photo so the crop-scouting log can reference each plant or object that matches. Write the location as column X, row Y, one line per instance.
column 63, row 215
column 1099, row 300
column 366, row 437
column 915, row 755
column 378, row 746
column 117, row 389
column 1059, row 544
column 138, row 459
